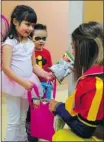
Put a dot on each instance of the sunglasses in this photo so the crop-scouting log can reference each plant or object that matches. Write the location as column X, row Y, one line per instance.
column 40, row 38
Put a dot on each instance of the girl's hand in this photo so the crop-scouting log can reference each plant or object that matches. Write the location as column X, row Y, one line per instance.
column 52, row 105
column 27, row 85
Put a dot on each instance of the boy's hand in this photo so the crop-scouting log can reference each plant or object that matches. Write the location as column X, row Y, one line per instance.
column 49, row 76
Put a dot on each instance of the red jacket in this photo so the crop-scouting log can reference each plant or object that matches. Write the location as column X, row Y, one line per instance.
column 88, row 98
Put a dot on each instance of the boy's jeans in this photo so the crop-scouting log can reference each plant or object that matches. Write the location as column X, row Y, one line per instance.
column 30, row 138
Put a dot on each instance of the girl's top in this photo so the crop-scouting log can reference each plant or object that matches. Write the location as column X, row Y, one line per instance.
column 21, row 64
column 87, row 101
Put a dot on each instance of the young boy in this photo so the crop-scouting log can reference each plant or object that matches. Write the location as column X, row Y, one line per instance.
column 43, row 59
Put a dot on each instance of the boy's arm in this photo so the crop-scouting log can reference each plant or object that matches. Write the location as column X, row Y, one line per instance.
column 49, row 59
column 39, row 71
column 36, row 69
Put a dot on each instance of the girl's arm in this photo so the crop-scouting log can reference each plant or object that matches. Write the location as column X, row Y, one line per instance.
column 6, row 63
column 39, row 71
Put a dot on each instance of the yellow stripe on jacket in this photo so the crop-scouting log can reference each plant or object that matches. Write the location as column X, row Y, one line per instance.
column 92, row 114
column 70, row 103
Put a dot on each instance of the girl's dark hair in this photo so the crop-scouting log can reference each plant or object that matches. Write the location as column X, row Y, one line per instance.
column 21, row 12
column 88, row 43
column 40, row 27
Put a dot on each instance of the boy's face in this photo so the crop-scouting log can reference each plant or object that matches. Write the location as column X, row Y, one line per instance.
column 39, row 39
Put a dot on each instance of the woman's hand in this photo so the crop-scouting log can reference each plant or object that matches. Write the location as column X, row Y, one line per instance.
column 52, row 105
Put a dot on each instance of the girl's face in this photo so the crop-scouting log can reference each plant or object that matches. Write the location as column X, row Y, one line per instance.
column 25, row 28
column 39, row 39
column 73, row 48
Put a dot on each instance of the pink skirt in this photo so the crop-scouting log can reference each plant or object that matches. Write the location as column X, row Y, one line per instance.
column 10, row 87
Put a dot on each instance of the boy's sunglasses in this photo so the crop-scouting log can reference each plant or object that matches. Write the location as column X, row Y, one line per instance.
column 40, row 38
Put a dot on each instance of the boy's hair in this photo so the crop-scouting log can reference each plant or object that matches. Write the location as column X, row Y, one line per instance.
column 88, row 42
column 21, row 12
column 40, row 27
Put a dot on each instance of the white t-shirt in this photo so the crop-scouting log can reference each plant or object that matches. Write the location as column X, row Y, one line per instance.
column 21, row 64
column 21, row 56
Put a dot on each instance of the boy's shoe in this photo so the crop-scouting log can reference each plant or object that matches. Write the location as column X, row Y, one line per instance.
column 32, row 139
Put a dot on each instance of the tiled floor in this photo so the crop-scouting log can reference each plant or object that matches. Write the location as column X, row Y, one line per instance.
column 61, row 95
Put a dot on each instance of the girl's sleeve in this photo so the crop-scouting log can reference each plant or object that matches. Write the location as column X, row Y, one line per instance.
column 87, row 96
column 9, row 42
column 62, row 112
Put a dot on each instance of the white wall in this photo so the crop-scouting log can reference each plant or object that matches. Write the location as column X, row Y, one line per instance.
column 75, row 19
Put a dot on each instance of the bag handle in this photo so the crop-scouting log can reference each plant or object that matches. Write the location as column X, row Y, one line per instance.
column 29, row 98
column 54, row 89
column 29, row 94
column 37, row 93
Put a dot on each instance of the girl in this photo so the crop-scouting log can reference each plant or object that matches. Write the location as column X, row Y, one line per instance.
column 83, row 110
column 19, row 70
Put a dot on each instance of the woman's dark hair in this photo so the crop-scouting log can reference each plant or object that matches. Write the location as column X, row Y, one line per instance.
column 88, row 43
column 21, row 12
